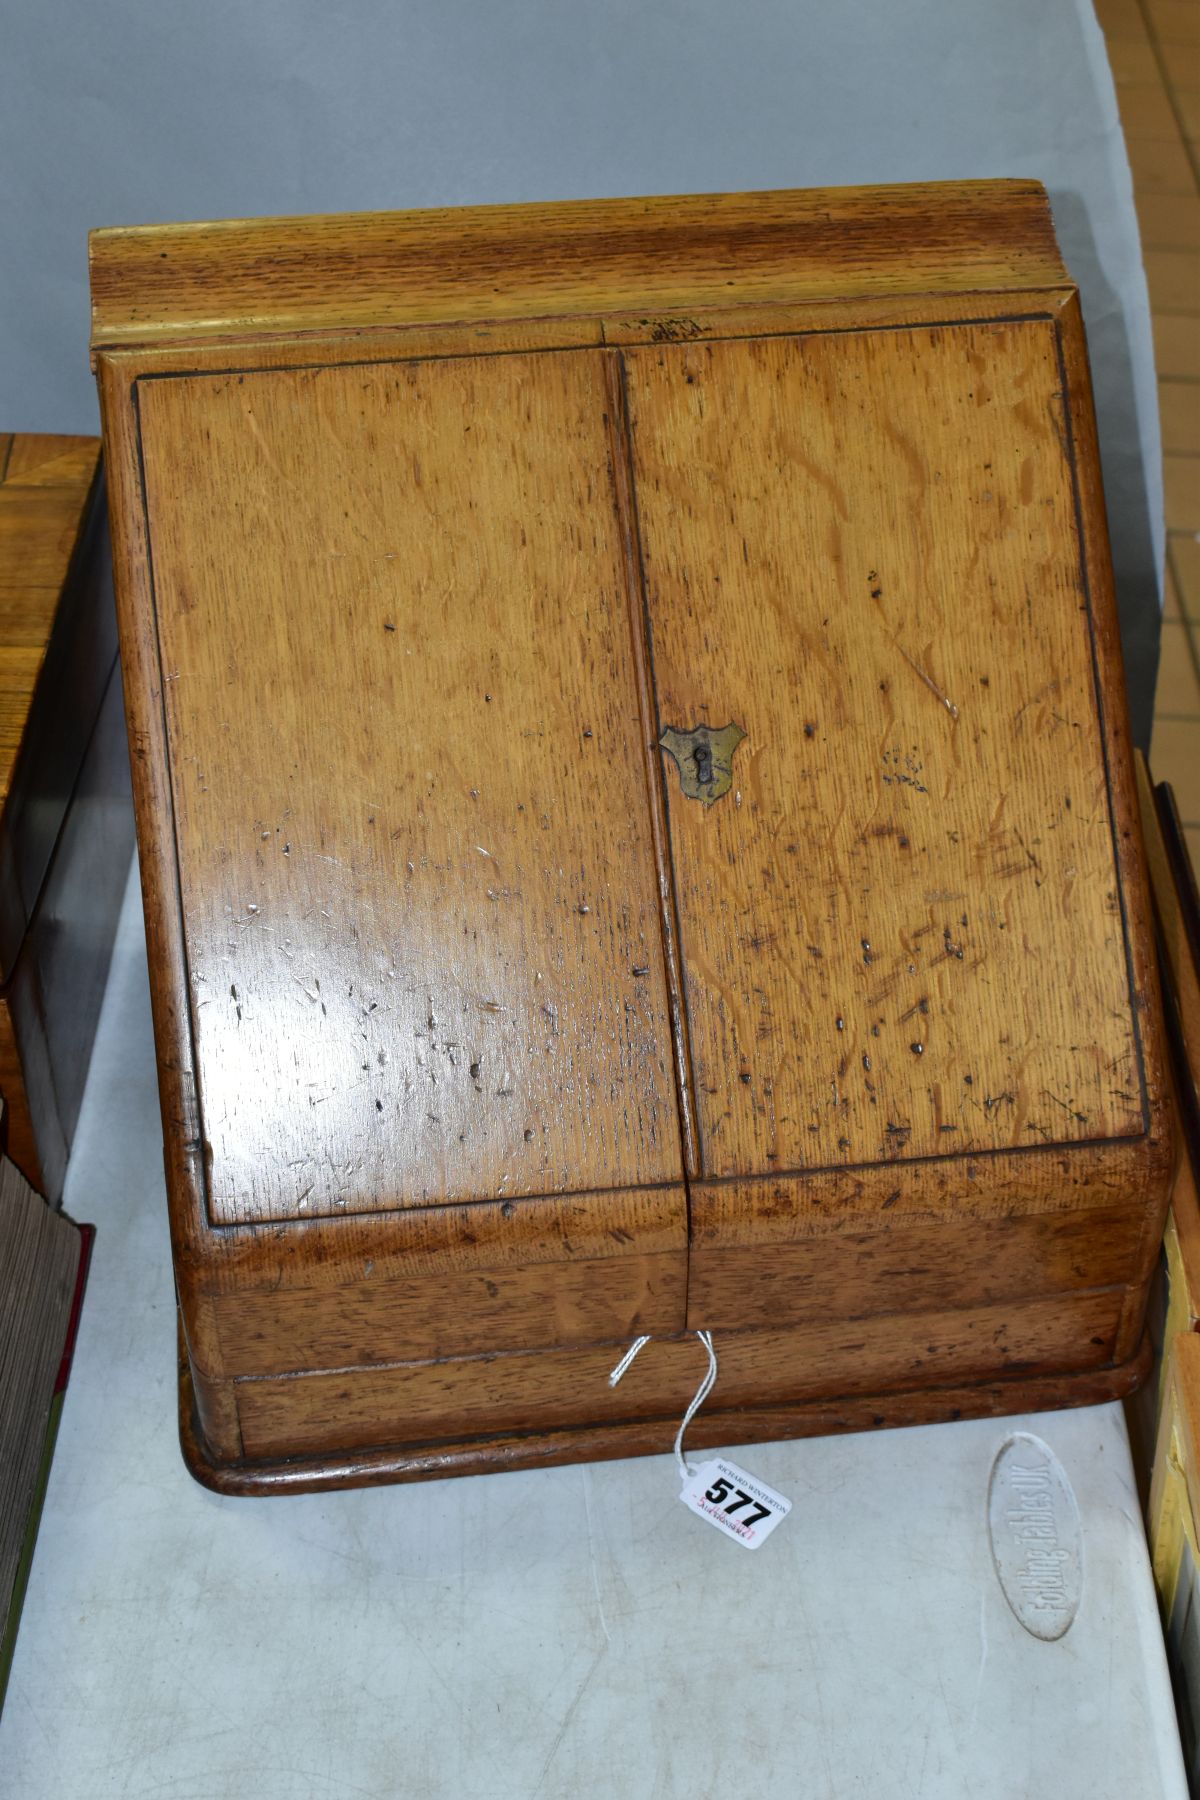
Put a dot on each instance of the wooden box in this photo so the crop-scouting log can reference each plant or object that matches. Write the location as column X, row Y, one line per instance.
column 637, row 824
column 66, row 822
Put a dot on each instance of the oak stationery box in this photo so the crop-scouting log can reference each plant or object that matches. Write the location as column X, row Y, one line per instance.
column 66, row 822
column 636, row 821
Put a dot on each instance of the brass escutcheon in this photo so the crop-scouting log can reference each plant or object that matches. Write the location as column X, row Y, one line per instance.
column 704, row 758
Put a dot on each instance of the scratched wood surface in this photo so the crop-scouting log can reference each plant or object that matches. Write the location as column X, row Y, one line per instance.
column 410, row 802
column 426, row 528
column 901, row 929
column 536, row 1307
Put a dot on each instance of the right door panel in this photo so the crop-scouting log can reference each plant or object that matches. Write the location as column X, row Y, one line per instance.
column 901, row 928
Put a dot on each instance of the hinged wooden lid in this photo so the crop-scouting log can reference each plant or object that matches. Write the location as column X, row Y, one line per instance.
column 437, row 527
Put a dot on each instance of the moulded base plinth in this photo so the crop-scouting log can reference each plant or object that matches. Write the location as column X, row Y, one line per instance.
column 485, row 1455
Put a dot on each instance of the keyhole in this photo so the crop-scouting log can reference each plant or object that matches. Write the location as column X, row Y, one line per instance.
column 704, row 758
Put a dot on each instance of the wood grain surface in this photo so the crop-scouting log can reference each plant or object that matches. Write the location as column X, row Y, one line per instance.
column 487, row 1276
column 415, row 862
column 256, row 277
column 912, row 1267
column 927, row 1404
column 408, row 1403
column 901, row 930
column 538, row 1307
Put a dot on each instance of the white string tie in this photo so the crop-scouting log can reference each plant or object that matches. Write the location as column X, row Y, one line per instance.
column 626, row 1360
column 698, row 1398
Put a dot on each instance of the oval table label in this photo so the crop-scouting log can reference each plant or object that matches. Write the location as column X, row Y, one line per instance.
column 1037, row 1539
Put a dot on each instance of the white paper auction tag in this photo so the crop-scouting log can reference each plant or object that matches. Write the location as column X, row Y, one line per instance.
column 735, row 1502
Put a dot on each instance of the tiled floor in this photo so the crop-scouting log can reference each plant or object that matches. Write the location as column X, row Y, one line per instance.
column 1154, row 47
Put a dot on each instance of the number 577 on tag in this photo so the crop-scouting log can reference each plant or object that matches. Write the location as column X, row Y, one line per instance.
column 735, row 1502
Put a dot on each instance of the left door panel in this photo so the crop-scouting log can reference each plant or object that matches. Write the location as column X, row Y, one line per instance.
column 416, row 872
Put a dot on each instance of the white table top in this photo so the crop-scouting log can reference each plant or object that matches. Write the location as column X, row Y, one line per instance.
column 557, row 1634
